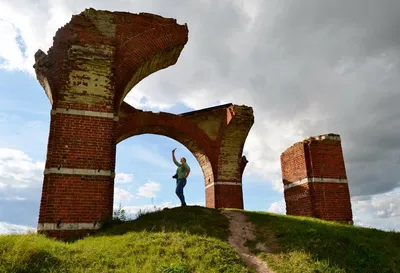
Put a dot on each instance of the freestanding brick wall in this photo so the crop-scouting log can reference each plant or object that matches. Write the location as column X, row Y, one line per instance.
column 315, row 181
column 95, row 60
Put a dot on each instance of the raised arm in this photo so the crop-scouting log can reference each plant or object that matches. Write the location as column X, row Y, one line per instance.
column 174, row 159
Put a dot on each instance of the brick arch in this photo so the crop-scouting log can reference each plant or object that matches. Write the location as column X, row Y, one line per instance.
column 155, row 43
column 95, row 60
column 175, row 127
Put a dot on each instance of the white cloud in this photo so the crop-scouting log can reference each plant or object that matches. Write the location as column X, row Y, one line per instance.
column 278, row 207
column 149, row 189
column 123, row 178
column 18, row 170
column 139, row 100
column 21, row 180
column 9, row 47
column 7, row 228
column 122, row 195
column 380, row 211
column 34, row 25
column 13, row 198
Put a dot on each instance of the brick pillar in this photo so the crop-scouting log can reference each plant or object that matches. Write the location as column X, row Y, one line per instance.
column 79, row 175
column 315, row 181
column 95, row 60
column 226, row 191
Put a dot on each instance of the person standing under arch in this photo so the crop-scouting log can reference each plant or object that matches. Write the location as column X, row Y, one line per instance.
column 182, row 172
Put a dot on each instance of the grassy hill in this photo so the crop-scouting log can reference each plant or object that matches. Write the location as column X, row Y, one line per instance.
column 195, row 239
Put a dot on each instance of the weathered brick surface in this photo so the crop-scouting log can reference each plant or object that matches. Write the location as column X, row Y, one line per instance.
column 212, row 122
column 332, row 201
column 317, row 157
column 228, row 196
column 326, row 158
column 224, row 196
column 76, row 199
column 81, row 142
column 233, row 136
column 299, row 201
column 210, row 197
column 131, row 46
column 293, row 163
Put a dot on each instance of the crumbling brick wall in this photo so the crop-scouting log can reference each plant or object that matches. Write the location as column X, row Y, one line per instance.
column 315, row 181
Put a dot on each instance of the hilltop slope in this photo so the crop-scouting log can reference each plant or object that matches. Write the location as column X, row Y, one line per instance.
column 195, row 239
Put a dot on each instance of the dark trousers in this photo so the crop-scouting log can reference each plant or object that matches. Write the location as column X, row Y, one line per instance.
column 180, row 184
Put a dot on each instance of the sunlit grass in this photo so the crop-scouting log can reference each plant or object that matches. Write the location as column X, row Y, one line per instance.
column 301, row 244
column 195, row 239
column 179, row 240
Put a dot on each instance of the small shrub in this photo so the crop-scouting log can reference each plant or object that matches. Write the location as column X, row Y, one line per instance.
column 119, row 214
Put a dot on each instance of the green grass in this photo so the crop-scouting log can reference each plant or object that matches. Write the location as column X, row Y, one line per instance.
column 194, row 239
column 301, row 244
column 192, row 219
column 179, row 240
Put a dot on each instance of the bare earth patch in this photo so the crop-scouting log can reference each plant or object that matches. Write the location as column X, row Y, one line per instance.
column 242, row 230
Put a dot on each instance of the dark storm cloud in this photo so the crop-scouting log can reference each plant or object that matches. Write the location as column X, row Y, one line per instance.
column 328, row 66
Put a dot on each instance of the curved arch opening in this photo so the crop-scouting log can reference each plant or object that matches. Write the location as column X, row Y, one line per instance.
column 144, row 170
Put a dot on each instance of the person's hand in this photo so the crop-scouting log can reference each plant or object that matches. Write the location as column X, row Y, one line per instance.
column 173, row 150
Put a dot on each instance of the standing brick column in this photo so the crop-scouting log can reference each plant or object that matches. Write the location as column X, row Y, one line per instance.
column 226, row 191
column 78, row 182
column 315, row 181
column 95, row 60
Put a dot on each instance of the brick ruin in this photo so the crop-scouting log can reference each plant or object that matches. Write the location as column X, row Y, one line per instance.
column 95, row 61
column 315, row 181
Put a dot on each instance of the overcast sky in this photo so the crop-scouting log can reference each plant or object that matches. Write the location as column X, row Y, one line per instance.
column 306, row 68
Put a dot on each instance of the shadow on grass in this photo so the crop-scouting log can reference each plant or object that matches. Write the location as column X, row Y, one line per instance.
column 191, row 219
column 321, row 246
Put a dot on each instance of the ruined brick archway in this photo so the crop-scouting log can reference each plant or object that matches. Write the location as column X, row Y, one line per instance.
column 215, row 136
column 95, row 60
column 135, row 122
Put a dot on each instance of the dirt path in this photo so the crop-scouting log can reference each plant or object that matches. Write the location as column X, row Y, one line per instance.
column 242, row 230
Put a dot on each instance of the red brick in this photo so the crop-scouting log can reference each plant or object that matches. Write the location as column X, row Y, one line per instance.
column 316, row 158
column 224, row 196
